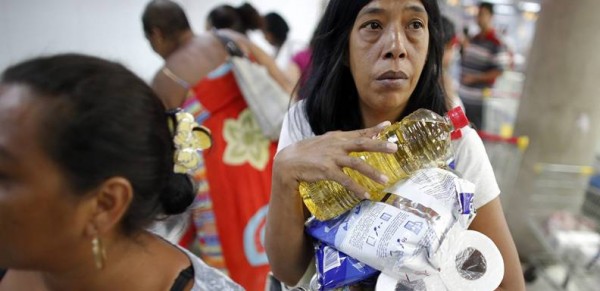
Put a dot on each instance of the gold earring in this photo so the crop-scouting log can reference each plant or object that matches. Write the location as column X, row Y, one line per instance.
column 99, row 253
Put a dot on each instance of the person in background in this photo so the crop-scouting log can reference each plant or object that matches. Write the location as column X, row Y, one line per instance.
column 234, row 187
column 450, row 42
column 373, row 62
column 276, row 33
column 86, row 164
column 241, row 19
column 481, row 63
column 298, row 68
column 244, row 19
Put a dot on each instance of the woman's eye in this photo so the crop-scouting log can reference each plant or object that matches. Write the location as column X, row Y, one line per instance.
column 416, row 25
column 373, row 25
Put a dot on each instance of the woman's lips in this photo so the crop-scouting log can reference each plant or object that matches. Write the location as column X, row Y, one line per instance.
column 392, row 79
column 392, row 75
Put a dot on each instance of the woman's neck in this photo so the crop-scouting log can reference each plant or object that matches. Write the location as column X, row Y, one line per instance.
column 122, row 254
column 178, row 42
column 185, row 37
column 126, row 258
column 372, row 118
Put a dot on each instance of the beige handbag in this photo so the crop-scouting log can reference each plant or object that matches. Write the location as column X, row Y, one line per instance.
column 266, row 99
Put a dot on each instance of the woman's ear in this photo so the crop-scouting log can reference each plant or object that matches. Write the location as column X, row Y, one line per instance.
column 110, row 203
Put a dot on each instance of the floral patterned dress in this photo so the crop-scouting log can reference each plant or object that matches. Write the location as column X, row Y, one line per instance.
column 237, row 178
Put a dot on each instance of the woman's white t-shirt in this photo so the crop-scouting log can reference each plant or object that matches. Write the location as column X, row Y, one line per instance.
column 470, row 157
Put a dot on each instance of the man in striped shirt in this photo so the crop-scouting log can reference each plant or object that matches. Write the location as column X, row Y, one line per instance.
column 481, row 64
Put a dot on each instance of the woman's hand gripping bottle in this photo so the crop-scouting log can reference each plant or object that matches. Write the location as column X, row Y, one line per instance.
column 423, row 139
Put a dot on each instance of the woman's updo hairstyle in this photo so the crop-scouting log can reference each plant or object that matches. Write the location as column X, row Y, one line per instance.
column 101, row 121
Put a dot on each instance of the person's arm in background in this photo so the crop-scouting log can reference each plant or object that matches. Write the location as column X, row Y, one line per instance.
column 268, row 62
column 292, row 71
column 262, row 58
column 490, row 221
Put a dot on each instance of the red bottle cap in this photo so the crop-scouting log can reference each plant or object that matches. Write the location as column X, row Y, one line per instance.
column 458, row 118
column 456, row 134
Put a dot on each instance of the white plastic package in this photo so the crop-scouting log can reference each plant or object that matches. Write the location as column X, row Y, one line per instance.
column 402, row 236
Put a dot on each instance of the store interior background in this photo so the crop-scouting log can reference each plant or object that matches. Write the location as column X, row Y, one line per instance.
column 549, row 95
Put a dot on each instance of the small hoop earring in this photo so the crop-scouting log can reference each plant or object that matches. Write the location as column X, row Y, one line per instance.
column 99, row 253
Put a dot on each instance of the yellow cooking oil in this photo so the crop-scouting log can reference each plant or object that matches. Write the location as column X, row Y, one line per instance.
column 423, row 140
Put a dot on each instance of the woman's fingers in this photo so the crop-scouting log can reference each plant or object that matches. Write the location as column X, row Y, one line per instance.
column 363, row 140
column 324, row 157
column 345, row 180
column 370, row 145
column 363, row 168
column 373, row 131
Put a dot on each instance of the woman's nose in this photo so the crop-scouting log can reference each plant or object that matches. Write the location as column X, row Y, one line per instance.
column 394, row 44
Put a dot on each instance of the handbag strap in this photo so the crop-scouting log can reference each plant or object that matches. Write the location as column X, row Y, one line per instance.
column 230, row 46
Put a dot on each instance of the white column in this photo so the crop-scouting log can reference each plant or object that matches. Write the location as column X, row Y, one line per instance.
column 559, row 111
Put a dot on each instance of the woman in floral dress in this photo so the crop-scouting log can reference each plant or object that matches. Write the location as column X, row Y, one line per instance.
column 234, row 189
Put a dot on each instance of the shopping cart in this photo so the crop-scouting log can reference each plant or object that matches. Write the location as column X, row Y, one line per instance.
column 505, row 154
column 569, row 239
column 501, row 103
column 499, row 115
column 591, row 205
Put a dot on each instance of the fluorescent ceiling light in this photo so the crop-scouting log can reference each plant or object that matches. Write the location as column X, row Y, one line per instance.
column 501, row 2
column 530, row 7
column 504, row 9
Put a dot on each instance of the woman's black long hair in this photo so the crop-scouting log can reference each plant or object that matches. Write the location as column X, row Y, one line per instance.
column 330, row 92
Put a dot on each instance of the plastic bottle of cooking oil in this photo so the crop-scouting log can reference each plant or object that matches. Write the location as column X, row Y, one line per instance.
column 423, row 140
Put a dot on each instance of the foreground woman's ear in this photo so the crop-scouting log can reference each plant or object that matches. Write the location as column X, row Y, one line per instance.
column 110, row 202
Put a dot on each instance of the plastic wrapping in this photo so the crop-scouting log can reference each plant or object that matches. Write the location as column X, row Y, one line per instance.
column 400, row 236
column 336, row 269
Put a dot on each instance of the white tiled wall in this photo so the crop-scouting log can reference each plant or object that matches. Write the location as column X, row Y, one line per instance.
column 112, row 28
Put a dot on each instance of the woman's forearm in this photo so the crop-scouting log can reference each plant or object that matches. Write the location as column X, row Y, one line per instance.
column 279, row 76
column 491, row 222
column 288, row 247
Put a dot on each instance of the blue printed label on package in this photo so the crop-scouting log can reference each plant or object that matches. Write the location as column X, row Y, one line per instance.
column 466, row 202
